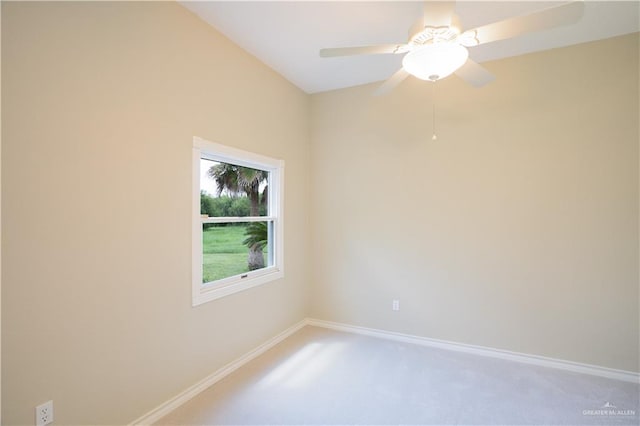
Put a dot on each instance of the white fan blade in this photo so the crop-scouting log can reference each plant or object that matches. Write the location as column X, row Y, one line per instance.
column 391, row 82
column 438, row 13
column 416, row 28
column 474, row 74
column 435, row 14
column 363, row 50
column 556, row 16
column 455, row 22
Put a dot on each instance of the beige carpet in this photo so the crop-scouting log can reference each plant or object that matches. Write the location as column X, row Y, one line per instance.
column 319, row 376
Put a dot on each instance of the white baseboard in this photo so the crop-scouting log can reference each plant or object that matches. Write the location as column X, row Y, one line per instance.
column 610, row 373
column 184, row 396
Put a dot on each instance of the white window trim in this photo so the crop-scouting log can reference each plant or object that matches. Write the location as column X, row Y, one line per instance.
column 227, row 286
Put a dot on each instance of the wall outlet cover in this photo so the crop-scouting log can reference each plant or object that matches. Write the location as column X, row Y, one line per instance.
column 44, row 413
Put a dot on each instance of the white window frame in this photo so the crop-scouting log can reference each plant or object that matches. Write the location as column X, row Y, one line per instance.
column 205, row 292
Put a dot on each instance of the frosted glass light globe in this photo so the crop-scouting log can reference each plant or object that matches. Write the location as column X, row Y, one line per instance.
column 435, row 61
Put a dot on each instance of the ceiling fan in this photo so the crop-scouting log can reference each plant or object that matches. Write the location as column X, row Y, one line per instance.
column 437, row 46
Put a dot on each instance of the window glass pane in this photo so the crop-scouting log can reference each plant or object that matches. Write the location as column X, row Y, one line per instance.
column 228, row 190
column 230, row 249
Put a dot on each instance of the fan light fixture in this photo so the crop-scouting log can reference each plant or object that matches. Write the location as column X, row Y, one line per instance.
column 435, row 61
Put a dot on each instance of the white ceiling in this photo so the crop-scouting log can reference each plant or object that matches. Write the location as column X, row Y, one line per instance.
column 287, row 35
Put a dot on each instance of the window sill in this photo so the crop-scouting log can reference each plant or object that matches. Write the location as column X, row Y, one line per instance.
column 236, row 284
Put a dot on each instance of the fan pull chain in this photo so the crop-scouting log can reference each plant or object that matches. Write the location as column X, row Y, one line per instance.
column 433, row 100
column 434, row 137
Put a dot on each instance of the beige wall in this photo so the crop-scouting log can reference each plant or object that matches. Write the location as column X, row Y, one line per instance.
column 516, row 229
column 101, row 102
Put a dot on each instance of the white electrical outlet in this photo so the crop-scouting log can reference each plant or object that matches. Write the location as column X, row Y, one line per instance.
column 44, row 413
column 396, row 305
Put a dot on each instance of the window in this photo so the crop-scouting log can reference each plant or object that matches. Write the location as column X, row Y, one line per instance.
column 237, row 220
